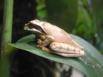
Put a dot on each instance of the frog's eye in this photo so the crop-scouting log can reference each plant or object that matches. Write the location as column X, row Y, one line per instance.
column 33, row 27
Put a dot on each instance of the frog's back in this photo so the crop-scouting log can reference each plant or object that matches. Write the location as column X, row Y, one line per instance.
column 59, row 34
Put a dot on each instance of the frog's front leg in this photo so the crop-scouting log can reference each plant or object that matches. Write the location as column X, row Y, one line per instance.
column 43, row 42
column 66, row 50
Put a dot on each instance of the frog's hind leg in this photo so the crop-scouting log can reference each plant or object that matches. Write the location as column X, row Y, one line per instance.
column 66, row 50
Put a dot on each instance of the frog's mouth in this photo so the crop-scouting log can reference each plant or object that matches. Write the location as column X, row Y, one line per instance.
column 33, row 28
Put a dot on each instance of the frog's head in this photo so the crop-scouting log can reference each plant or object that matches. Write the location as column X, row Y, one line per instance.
column 35, row 26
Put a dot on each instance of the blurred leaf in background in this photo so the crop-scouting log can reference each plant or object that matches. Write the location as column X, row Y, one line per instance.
column 41, row 9
column 59, row 12
column 62, row 12
column 85, row 25
column 98, row 13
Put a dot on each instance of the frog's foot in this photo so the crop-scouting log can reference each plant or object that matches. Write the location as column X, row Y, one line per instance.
column 43, row 48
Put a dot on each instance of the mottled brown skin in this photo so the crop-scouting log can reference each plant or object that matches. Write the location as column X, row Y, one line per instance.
column 43, row 42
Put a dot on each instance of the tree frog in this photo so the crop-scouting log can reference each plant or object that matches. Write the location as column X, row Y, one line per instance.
column 54, row 39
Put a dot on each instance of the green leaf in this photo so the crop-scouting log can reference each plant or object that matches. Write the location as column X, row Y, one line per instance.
column 91, row 64
column 93, row 57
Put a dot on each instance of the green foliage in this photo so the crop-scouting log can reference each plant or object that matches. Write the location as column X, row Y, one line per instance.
column 4, row 67
column 71, row 16
column 98, row 13
column 41, row 9
column 60, row 12
column 91, row 64
column 85, row 25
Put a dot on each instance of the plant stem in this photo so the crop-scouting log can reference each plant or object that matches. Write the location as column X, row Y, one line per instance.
column 7, row 26
column 6, row 38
